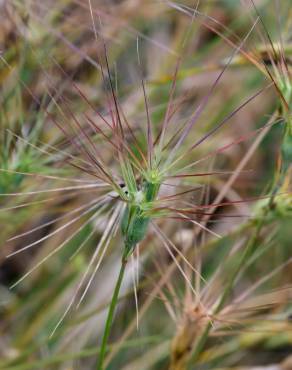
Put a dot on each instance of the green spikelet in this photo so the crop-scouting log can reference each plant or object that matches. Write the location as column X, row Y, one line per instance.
column 135, row 223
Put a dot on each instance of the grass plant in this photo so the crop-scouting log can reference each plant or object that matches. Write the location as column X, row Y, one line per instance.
column 145, row 184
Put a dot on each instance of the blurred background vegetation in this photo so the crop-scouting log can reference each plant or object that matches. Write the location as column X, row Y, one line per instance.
column 49, row 76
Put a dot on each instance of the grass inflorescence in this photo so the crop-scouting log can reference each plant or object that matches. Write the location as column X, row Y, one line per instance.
column 145, row 184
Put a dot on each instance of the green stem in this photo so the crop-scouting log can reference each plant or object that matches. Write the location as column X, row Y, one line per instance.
column 110, row 315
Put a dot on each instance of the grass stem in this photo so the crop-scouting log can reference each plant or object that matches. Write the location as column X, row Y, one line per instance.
column 110, row 316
